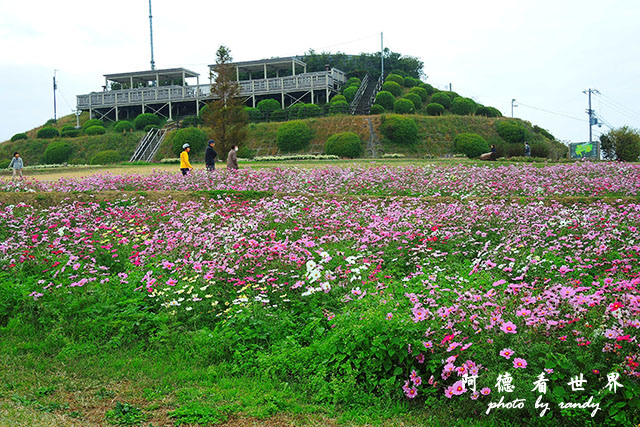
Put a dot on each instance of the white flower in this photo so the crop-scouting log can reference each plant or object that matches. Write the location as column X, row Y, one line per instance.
column 311, row 265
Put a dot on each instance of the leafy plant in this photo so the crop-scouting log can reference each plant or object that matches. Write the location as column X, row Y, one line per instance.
column 399, row 129
column 435, row 109
column 344, row 144
column 95, row 130
column 404, row 106
column 293, row 136
column 392, row 87
column 124, row 414
column 48, row 133
column 470, row 144
column 385, row 100
column 19, row 136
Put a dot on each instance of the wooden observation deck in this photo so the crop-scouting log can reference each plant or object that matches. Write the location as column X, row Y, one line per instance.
column 166, row 92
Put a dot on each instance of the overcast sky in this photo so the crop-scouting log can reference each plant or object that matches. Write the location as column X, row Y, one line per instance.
column 542, row 53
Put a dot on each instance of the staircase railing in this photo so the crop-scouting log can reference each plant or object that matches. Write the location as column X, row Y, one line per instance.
column 149, row 145
column 361, row 90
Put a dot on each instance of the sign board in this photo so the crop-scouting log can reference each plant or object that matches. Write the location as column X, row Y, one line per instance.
column 584, row 150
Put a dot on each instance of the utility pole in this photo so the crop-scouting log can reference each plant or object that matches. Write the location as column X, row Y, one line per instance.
column 381, row 57
column 55, row 86
column 153, row 64
column 450, row 88
column 513, row 104
column 592, row 120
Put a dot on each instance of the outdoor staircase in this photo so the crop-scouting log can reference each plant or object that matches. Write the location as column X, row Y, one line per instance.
column 150, row 143
column 366, row 95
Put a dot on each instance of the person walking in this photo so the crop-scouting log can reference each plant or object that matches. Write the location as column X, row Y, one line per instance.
column 232, row 158
column 16, row 164
column 185, row 166
column 494, row 152
column 527, row 149
column 210, row 156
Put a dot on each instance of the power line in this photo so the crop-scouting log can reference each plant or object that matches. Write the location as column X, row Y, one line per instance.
column 611, row 100
column 550, row 112
column 619, row 110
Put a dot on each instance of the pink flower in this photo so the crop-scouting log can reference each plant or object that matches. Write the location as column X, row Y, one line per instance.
column 549, row 371
column 508, row 328
column 506, row 353
column 485, row 391
column 475, row 395
column 448, row 392
column 458, row 388
column 519, row 363
column 411, row 393
column 427, row 344
column 389, row 316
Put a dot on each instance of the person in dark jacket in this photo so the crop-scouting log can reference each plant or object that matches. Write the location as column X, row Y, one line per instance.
column 494, row 153
column 210, row 156
column 232, row 158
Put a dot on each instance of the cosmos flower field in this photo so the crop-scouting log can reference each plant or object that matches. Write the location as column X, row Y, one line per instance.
column 396, row 282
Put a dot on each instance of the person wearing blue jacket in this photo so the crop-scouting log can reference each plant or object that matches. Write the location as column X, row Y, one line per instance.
column 16, row 164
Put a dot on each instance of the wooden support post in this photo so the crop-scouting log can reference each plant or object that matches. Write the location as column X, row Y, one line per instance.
column 237, row 73
column 90, row 113
column 131, row 80
column 293, row 66
column 117, row 110
column 170, row 113
column 265, row 70
column 157, row 80
column 184, row 79
column 282, row 93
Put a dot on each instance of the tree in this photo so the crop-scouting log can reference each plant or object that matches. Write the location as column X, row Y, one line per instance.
column 622, row 144
column 225, row 114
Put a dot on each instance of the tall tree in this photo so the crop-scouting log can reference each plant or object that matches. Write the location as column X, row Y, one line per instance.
column 225, row 114
column 622, row 144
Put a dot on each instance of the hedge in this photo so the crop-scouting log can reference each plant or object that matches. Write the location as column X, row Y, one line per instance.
column 377, row 109
column 435, row 109
column 71, row 133
column 395, row 78
column 48, row 133
column 95, row 130
column 123, row 126
column 399, row 129
column 404, row 106
column 385, row 99
column 393, row 87
column 269, row 105
column 338, row 98
column 293, row 136
column 344, row 144
column 421, row 92
column 106, row 157
column 470, row 144
column 311, row 110
column 430, row 89
column 463, row 106
column 339, row 107
column 354, row 81
column 196, row 138
column 254, row 114
column 57, row 152
column 91, row 122
column 441, row 98
column 411, row 82
column 510, row 131
column 19, row 136
column 415, row 98
column 66, row 128
column 278, row 115
column 350, row 93
column 146, row 119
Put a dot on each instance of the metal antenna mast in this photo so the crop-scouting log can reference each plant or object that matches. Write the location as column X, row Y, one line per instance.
column 153, row 64
column 55, row 86
column 590, row 112
column 381, row 56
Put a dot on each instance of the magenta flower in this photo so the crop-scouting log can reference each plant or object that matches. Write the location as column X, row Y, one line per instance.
column 508, row 328
column 506, row 353
column 519, row 363
column 458, row 388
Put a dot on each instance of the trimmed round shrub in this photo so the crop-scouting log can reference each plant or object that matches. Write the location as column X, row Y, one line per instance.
column 452, row 95
column 395, row 78
column 435, row 109
column 540, row 149
column 311, row 110
column 19, row 136
column 278, row 115
column 269, row 105
column 146, row 119
column 95, row 130
column 339, row 107
column 394, row 88
column 354, row 81
column 483, row 111
column 338, row 98
column 411, row 82
column 441, row 98
column 404, row 106
column 293, row 136
column 296, row 111
column 415, row 98
column 344, row 144
column 66, row 128
column 254, row 114
column 376, row 109
column 511, row 131
column 57, row 152
column 125, row 126
column 430, row 89
column 385, row 99
column 196, row 138
column 463, row 106
column 71, row 133
column 47, row 133
column 92, row 122
column 421, row 92
column 147, row 128
column 106, row 157
column 494, row 112
column 350, row 93
column 399, row 129
column 470, row 144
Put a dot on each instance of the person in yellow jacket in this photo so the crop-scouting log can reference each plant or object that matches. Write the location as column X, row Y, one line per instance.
column 185, row 166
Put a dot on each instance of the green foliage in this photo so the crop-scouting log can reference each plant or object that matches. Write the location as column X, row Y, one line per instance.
column 19, row 136
column 92, row 122
column 254, row 114
column 354, row 81
column 488, row 112
column 350, row 93
column 544, row 132
column 146, row 119
column 196, row 413
column 123, row 126
column 463, row 106
column 430, row 89
column 106, row 157
column 196, row 138
column 622, row 142
column 377, row 109
column 269, row 105
column 511, row 131
column 470, row 144
column 4, row 163
column 395, row 78
column 404, row 106
column 540, row 149
column 399, row 129
column 421, row 92
column 191, row 121
column 66, row 128
column 124, row 414
column 245, row 152
column 311, row 110
column 57, row 152
column 71, row 133
column 338, row 98
column 344, row 144
column 494, row 112
column 95, row 130
column 147, row 128
column 435, row 109
column 442, row 98
column 411, row 82
column 393, row 87
column 204, row 111
column 278, row 115
column 385, row 99
column 47, row 133
column 415, row 98
column 339, row 107
column 293, row 136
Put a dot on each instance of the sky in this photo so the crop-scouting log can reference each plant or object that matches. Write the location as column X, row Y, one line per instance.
column 542, row 53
